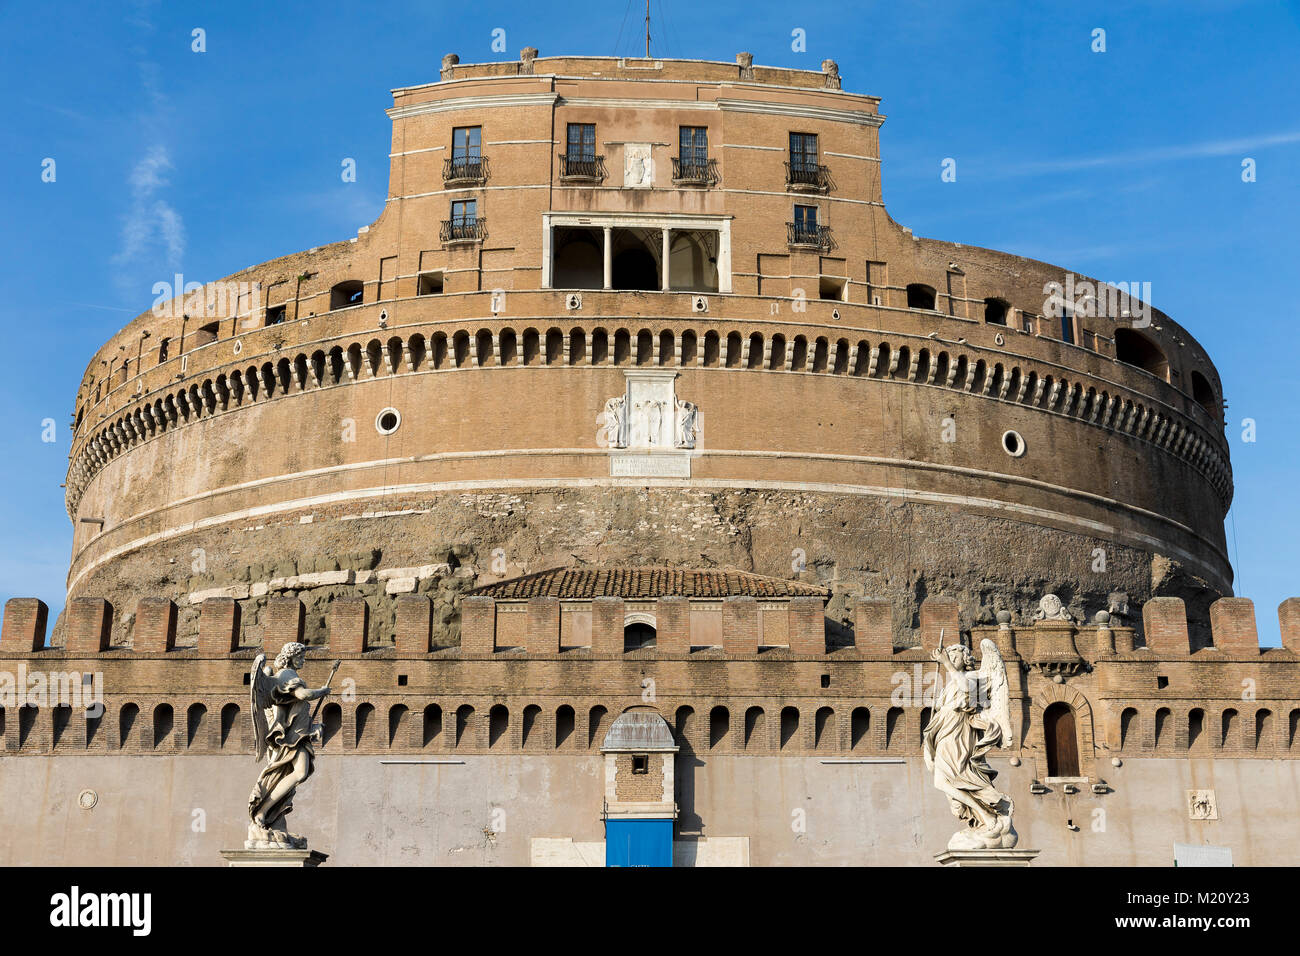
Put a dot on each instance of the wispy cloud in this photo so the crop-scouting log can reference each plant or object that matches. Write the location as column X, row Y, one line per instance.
column 151, row 219
column 1241, row 146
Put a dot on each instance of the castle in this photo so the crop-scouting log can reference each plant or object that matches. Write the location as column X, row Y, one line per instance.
column 633, row 461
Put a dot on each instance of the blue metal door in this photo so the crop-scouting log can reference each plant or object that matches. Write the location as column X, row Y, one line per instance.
column 638, row 842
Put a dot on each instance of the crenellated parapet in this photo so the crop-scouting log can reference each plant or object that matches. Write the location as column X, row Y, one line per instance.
column 747, row 668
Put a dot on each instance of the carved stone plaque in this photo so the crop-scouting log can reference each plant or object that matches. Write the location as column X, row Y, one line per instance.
column 638, row 166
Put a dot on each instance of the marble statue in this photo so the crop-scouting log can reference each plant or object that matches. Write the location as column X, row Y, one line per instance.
column 613, row 421
column 284, row 735
column 1050, row 608
column 688, row 423
column 972, row 715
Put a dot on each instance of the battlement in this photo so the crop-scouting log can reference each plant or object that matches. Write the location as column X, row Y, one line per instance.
column 726, row 625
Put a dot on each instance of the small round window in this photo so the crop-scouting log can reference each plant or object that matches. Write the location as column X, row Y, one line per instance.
column 387, row 421
column 1013, row 444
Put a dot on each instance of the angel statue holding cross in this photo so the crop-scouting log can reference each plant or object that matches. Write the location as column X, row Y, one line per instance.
column 972, row 715
column 284, row 735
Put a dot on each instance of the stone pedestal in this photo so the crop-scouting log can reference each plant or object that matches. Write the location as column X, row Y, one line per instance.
column 293, row 858
column 986, row 857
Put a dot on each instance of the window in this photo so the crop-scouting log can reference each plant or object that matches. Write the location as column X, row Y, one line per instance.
column 163, row 347
column 920, row 296
column 805, row 224
column 347, row 293
column 1134, row 348
column 640, row 763
column 581, row 145
column 694, row 145
column 430, row 283
column 275, row 314
column 995, row 311
column 803, row 151
column 1067, row 326
column 832, row 288
column 464, row 222
column 464, row 212
column 466, row 142
column 466, row 161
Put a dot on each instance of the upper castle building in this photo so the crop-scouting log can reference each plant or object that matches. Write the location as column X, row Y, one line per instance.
column 635, row 350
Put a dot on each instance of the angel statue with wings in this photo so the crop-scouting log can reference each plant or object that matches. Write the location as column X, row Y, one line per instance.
column 972, row 715
column 284, row 735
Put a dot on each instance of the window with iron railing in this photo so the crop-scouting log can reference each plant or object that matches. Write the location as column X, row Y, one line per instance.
column 802, row 169
column 464, row 223
column 579, row 159
column 466, row 162
column 692, row 163
column 806, row 231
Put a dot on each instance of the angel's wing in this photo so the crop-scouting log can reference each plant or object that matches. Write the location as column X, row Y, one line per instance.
column 993, row 685
column 260, row 683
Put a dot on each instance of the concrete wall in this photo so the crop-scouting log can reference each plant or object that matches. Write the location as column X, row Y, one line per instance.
column 792, row 810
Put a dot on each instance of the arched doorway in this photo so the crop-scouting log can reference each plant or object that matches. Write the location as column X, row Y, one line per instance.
column 1061, row 741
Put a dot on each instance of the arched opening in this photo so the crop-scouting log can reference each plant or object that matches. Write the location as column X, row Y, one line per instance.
column 195, row 719
column 693, row 262
column 892, row 721
column 579, row 259
column 996, row 310
column 344, row 294
column 564, row 725
column 498, row 724
column 229, row 721
column 432, row 724
column 365, row 717
column 125, row 724
column 1134, row 348
column 331, row 724
column 464, row 717
column 62, row 717
column 1203, row 395
column 1061, row 741
column 860, row 724
column 397, row 717
column 755, row 727
column 1127, row 722
column 789, row 726
column 719, row 725
column 531, row 713
column 1195, row 729
column 596, row 724
column 920, row 296
column 638, row 636
column 634, row 268
column 1263, row 730
column 823, row 728
column 1228, row 728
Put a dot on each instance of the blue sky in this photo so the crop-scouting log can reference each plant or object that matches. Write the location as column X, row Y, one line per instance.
column 1125, row 165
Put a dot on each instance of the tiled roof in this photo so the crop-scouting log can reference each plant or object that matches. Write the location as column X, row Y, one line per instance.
column 646, row 582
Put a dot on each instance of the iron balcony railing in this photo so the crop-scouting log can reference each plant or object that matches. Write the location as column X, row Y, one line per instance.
column 697, row 172
column 806, row 234
column 465, row 169
column 807, row 176
column 464, row 230
column 582, row 167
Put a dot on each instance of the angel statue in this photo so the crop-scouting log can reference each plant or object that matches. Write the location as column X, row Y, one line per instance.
column 972, row 715
column 285, row 734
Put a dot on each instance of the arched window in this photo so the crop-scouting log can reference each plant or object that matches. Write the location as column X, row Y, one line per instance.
column 498, row 724
column 1203, row 395
column 638, row 636
column 755, row 727
column 195, row 719
column 564, row 724
column 996, row 310
column 1060, row 741
column 229, row 722
column 347, row 293
column 365, row 723
column 1127, row 722
column 464, row 717
column 1228, row 736
column 595, row 724
column 1134, row 348
column 824, row 728
column 1263, row 730
column 920, row 296
column 1195, row 729
column 331, row 723
column 719, row 725
column 860, row 724
column 397, row 716
column 892, row 721
column 125, row 724
column 432, row 724
column 1164, row 734
column 789, row 726
column 684, row 726
column 531, row 713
